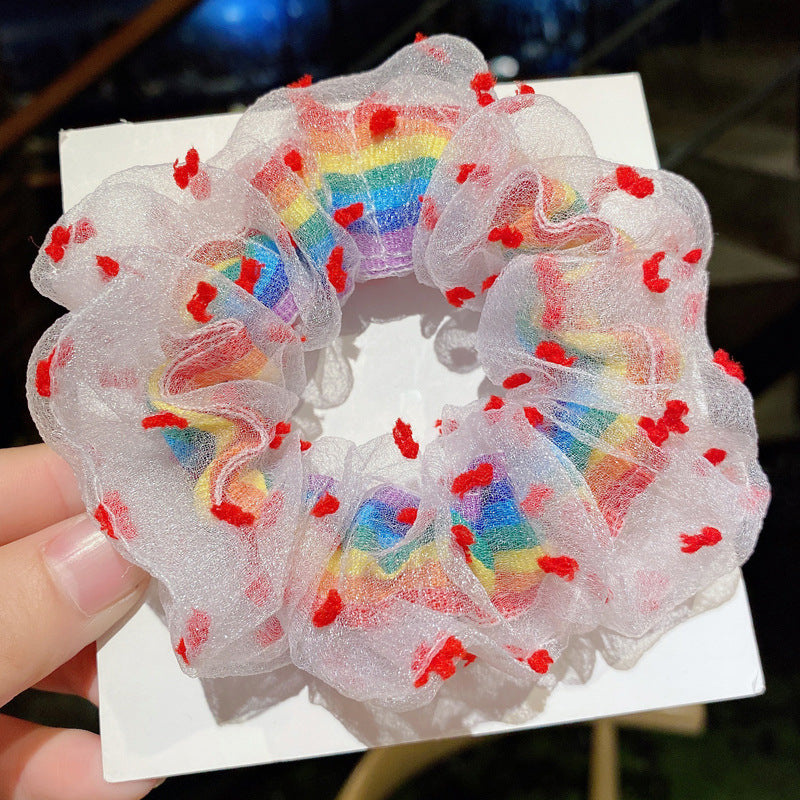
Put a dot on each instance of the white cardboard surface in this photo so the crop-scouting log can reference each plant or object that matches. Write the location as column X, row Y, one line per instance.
column 155, row 721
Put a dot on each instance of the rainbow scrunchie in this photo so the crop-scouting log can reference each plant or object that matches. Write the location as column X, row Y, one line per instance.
column 610, row 476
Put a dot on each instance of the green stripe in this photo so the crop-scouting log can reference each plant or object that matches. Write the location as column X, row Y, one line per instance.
column 510, row 537
column 380, row 177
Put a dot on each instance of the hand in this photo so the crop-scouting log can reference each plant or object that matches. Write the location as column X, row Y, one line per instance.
column 62, row 585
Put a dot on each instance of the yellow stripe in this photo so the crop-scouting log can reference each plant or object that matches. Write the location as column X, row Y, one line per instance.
column 197, row 419
column 521, row 561
column 360, row 563
column 298, row 213
column 484, row 575
column 615, row 434
column 421, row 556
column 254, row 478
column 563, row 197
column 228, row 262
column 333, row 567
column 224, row 433
column 202, row 490
column 604, row 346
column 598, row 344
column 577, row 274
column 391, row 151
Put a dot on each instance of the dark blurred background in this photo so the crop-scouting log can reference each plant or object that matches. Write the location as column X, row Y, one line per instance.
column 721, row 80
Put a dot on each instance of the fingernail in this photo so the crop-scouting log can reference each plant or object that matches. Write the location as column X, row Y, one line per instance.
column 87, row 568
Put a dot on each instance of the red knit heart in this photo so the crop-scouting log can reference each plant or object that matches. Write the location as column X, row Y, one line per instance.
column 630, row 181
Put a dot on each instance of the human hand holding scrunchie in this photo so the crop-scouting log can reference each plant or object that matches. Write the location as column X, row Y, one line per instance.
column 62, row 585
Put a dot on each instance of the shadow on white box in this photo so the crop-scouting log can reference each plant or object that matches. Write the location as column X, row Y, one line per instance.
column 155, row 721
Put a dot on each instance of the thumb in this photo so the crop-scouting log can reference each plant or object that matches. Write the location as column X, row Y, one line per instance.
column 60, row 589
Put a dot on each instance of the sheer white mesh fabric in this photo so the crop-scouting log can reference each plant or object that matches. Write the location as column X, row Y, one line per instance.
column 583, row 507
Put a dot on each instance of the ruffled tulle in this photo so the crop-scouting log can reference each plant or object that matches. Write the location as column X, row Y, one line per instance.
column 611, row 477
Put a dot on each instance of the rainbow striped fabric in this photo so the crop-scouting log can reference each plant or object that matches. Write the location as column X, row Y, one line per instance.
column 376, row 565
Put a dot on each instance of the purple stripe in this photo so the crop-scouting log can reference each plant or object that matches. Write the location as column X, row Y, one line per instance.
column 393, row 496
column 470, row 506
column 389, row 253
column 379, row 267
column 367, row 243
column 399, row 241
column 286, row 308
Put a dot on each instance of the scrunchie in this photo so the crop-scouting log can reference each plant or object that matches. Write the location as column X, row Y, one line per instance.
column 610, row 477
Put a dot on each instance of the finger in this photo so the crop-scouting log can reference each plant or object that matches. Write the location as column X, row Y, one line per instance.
column 37, row 489
column 60, row 589
column 38, row 763
column 78, row 676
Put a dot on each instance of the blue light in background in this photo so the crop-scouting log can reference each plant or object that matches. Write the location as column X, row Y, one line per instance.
column 241, row 25
column 256, row 29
